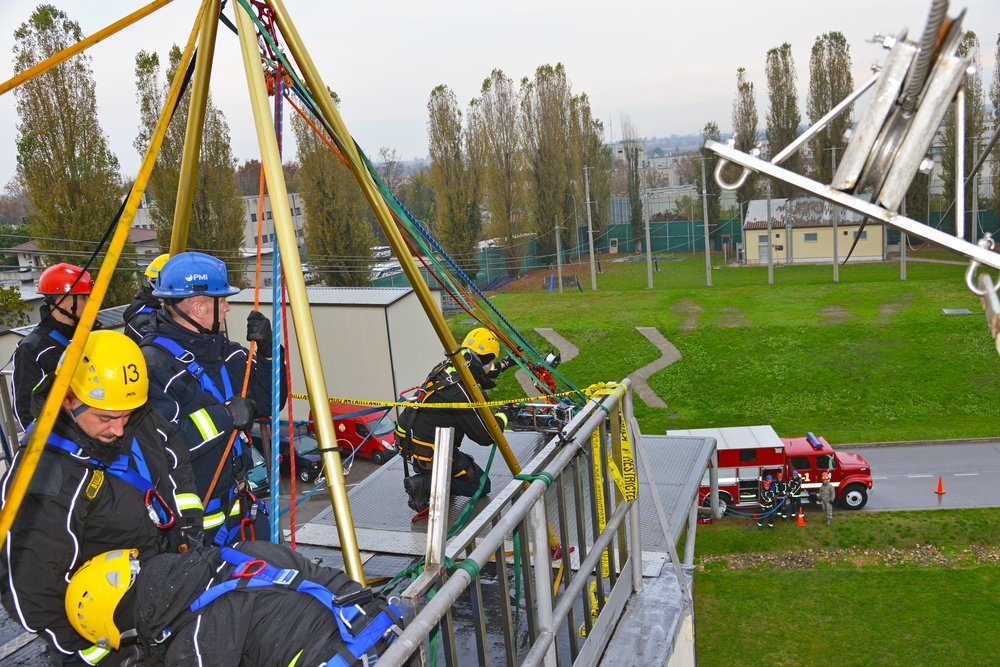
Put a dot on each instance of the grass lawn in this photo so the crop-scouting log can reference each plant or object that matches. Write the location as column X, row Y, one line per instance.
column 868, row 359
column 887, row 588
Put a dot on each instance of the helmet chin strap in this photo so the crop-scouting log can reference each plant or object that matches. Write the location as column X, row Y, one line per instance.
column 71, row 314
column 187, row 318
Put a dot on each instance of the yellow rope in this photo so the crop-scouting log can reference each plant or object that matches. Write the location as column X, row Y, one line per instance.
column 409, row 404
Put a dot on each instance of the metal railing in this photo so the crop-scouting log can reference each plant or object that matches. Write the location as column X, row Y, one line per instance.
column 552, row 613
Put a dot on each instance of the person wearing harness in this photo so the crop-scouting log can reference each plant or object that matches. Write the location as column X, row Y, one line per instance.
column 416, row 428
column 767, row 501
column 795, row 494
column 256, row 604
column 113, row 473
column 196, row 374
column 781, row 495
column 140, row 312
column 66, row 289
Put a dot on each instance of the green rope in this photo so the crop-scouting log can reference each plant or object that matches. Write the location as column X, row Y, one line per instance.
column 542, row 476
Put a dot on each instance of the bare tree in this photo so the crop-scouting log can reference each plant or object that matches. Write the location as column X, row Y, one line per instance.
column 389, row 169
column 495, row 128
column 745, row 127
column 830, row 81
column 783, row 113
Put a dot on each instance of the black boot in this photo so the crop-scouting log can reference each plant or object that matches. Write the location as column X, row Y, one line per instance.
column 418, row 491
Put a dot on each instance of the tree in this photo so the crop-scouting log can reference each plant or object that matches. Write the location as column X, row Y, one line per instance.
column 711, row 132
column 545, row 105
column 11, row 236
column 631, row 147
column 596, row 157
column 13, row 311
column 15, row 204
column 417, row 194
column 455, row 175
column 247, row 177
column 63, row 159
column 389, row 169
column 995, row 99
column 783, row 113
column 975, row 121
column 338, row 239
column 217, row 216
column 745, row 126
column 495, row 128
column 830, row 81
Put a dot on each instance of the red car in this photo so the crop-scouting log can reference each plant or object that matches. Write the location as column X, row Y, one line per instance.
column 368, row 432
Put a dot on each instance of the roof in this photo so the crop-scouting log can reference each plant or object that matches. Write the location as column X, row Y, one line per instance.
column 341, row 296
column 799, row 211
column 736, row 437
column 109, row 318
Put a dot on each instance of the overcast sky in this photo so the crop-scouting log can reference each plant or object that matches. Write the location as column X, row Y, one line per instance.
column 671, row 66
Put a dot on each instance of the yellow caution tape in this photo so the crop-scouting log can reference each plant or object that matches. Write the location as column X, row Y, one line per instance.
column 410, row 404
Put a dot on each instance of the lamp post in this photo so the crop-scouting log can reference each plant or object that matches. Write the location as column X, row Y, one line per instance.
column 590, row 229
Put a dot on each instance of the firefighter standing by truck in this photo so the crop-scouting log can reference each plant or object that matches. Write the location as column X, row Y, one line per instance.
column 827, row 494
column 112, row 474
column 767, row 501
column 795, row 494
column 416, row 429
column 781, row 495
column 257, row 604
column 196, row 374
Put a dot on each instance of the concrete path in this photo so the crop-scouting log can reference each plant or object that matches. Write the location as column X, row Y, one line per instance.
column 563, row 346
column 639, row 377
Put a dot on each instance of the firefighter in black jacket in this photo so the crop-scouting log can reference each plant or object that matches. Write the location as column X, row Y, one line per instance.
column 767, row 500
column 113, row 474
column 416, row 429
column 196, row 375
column 66, row 289
column 142, row 310
column 255, row 604
column 781, row 495
column 795, row 494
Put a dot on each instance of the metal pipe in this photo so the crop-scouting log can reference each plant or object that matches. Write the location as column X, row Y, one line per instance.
column 53, row 404
column 590, row 230
column 692, row 527
column 195, row 129
column 543, row 576
column 302, row 317
column 315, row 82
column 80, row 46
column 704, row 208
column 960, row 164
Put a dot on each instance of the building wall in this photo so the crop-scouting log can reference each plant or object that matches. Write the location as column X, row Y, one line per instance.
column 819, row 251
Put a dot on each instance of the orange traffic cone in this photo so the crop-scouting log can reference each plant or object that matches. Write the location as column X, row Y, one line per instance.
column 801, row 520
column 940, row 490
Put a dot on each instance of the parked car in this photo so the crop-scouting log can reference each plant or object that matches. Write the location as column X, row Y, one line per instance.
column 307, row 459
column 257, row 476
column 369, row 433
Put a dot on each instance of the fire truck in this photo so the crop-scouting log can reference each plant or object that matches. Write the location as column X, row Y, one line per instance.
column 747, row 454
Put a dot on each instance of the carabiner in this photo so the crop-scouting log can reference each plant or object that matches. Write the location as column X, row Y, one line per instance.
column 245, row 573
column 163, row 516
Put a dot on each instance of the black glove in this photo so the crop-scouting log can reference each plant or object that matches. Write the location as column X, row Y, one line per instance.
column 187, row 535
column 242, row 411
column 505, row 363
column 131, row 654
column 259, row 330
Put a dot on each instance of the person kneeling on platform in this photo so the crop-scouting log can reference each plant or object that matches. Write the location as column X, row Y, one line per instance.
column 416, row 429
column 257, row 603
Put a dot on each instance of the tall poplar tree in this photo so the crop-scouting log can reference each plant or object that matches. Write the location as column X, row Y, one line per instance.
column 630, row 148
column 995, row 99
column 975, row 122
column 495, row 127
column 455, row 161
column 710, row 132
column 338, row 238
column 830, row 81
column 545, row 118
column 217, row 216
column 783, row 115
column 63, row 159
column 745, row 127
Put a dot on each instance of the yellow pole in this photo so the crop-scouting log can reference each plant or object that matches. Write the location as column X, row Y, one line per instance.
column 318, row 88
column 82, row 45
column 33, row 452
column 195, row 128
column 308, row 345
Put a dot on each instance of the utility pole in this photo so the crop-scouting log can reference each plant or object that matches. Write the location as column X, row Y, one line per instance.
column 830, row 212
column 770, row 258
column 649, row 249
column 704, row 215
column 558, row 255
column 590, row 229
column 902, row 246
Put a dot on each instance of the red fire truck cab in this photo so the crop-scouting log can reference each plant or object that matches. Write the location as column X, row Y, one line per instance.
column 748, row 453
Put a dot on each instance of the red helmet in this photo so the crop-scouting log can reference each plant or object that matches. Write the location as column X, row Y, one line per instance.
column 64, row 279
column 780, row 475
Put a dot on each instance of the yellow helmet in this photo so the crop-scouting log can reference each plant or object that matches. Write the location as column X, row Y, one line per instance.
column 154, row 267
column 94, row 592
column 111, row 374
column 482, row 341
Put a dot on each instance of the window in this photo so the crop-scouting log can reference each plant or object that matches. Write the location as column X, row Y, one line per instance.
column 811, row 237
column 762, row 238
column 864, row 235
column 267, row 215
column 255, row 240
column 253, row 217
column 825, row 462
column 777, row 236
column 748, row 455
column 298, row 211
column 800, row 463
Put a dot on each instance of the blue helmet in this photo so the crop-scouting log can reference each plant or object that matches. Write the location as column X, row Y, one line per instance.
column 768, row 478
column 795, row 473
column 193, row 274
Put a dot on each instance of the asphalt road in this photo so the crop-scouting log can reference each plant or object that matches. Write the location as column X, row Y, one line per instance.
column 906, row 477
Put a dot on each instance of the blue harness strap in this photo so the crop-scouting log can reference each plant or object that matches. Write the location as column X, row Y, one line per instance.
column 58, row 337
column 254, row 573
column 197, row 370
column 140, row 479
column 145, row 309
